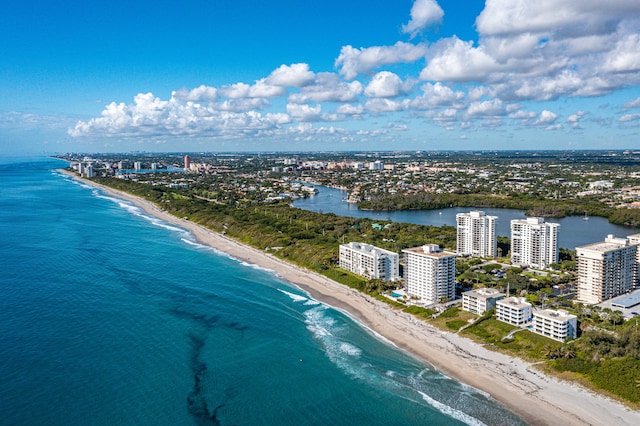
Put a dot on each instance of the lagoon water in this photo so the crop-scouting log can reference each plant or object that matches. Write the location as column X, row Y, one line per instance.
column 574, row 230
column 112, row 317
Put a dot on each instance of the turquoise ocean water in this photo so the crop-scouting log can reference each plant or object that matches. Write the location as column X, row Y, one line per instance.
column 109, row 317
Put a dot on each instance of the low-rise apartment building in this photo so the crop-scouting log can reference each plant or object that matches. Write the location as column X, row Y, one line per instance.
column 513, row 310
column 481, row 300
column 558, row 325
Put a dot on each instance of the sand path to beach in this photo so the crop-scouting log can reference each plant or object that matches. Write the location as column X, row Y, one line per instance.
column 538, row 398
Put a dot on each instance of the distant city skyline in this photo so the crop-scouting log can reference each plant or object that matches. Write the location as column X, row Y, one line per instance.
column 297, row 76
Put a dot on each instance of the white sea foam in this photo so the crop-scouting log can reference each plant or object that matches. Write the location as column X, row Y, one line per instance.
column 254, row 266
column 450, row 411
column 293, row 296
column 195, row 244
column 349, row 349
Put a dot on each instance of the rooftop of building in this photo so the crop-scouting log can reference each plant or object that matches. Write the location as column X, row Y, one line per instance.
column 367, row 248
column 610, row 243
column 516, row 302
column 557, row 315
column 429, row 250
column 628, row 304
column 484, row 293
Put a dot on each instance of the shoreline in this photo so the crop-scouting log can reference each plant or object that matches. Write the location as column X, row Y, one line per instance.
column 534, row 396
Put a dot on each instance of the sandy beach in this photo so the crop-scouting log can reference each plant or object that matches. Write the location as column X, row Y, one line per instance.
column 538, row 398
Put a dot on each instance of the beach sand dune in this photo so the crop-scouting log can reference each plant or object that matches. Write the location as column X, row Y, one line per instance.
column 538, row 398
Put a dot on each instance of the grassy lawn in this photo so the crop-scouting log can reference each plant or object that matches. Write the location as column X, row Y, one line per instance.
column 489, row 330
column 452, row 319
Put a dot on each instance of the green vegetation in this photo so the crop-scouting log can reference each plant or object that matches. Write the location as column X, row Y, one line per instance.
column 420, row 311
column 533, row 205
column 606, row 356
column 607, row 361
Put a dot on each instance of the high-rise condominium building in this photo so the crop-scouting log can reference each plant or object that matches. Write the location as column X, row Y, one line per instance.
column 429, row 273
column 606, row 269
column 476, row 234
column 534, row 243
column 187, row 162
column 370, row 261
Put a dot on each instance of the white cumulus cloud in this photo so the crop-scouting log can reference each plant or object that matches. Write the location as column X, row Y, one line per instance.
column 304, row 113
column 546, row 118
column 424, row 13
column 328, row 87
column 294, row 75
column 353, row 61
column 384, row 84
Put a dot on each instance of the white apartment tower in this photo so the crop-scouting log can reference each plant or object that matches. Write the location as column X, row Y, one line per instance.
column 635, row 240
column 534, row 243
column 429, row 273
column 370, row 261
column 606, row 269
column 476, row 234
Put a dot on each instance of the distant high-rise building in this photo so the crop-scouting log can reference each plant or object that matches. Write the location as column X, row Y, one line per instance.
column 187, row 162
column 606, row 269
column 476, row 234
column 376, row 165
column 89, row 170
column 430, row 273
column 370, row 261
column 534, row 243
column 154, row 166
column 137, row 165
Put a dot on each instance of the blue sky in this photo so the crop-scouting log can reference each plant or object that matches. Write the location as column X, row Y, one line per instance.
column 285, row 75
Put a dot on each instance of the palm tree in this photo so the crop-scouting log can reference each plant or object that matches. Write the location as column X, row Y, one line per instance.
column 568, row 352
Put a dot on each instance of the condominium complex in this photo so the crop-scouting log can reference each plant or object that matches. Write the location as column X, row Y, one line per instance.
column 513, row 310
column 635, row 240
column 606, row 269
column 534, row 243
column 558, row 325
column 430, row 273
column 476, row 234
column 481, row 300
column 370, row 261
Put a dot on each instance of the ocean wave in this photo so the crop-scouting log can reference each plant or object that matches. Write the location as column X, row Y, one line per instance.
column 349, row 349
column 257, row 267
column 187, row 236
column 293, row 296
column 348, row 357
column 194, row 243
column 450, row 411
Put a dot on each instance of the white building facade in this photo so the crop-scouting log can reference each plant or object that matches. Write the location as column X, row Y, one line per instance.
column 430, row 273
column 558, row 325
column 534, row 243
column 481, row 300
column 606, row 269
column 513, row 310
column 476, row 234
column 370, row 261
